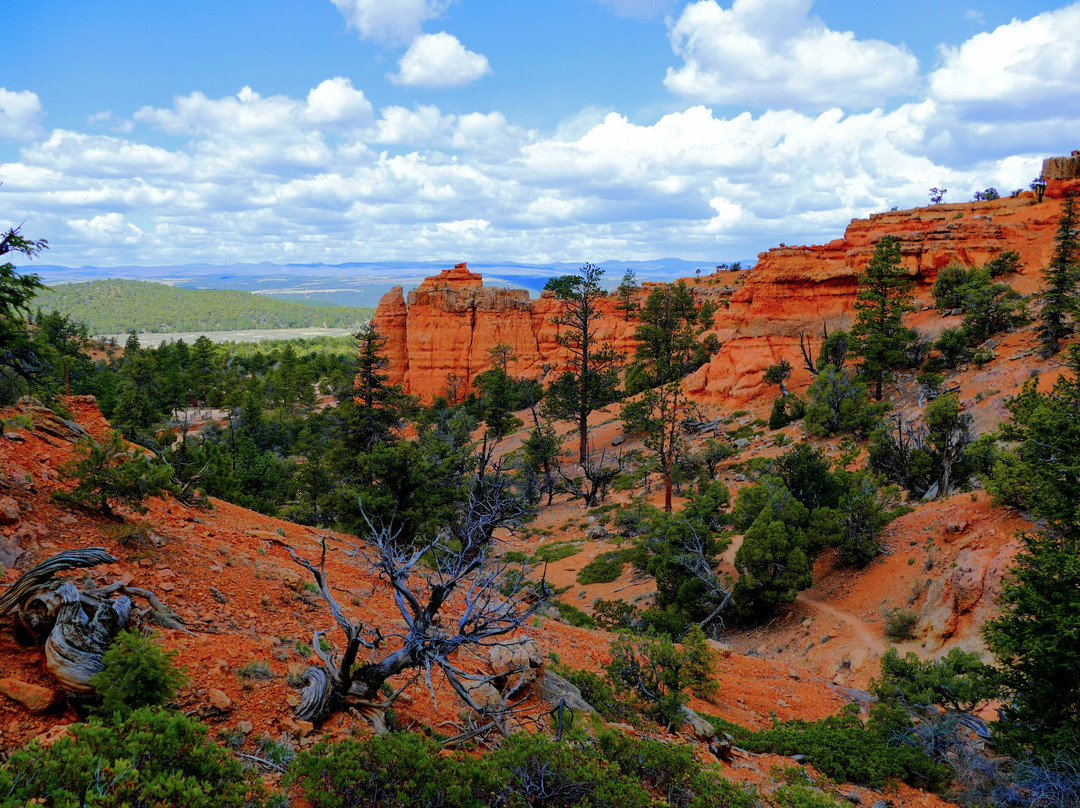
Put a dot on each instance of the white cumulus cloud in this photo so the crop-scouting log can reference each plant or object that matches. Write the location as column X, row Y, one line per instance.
column 109, row 228
column 440, row 60
column 336, row 101
column 393, row 22
column 774, row 54
column 20, row 115
column 1022, row 68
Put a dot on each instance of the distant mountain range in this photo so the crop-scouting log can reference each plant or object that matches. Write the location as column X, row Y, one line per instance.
column 354, row 283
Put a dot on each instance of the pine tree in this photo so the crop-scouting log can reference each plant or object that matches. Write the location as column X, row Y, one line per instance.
column 1037, row 636
column 1059, row 297
column 884, row 296
column 590, row 381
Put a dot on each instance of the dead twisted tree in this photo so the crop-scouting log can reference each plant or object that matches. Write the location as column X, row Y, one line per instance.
column 453, row 595
column 76, row 626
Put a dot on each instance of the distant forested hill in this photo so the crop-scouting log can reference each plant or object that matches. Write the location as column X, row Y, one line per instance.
column 115, row 306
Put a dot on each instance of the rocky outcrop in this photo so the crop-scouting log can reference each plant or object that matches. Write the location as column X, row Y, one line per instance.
column 440, row 337
column 792, row 290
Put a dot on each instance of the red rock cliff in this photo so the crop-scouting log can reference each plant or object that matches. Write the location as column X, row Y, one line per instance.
column 451, row 321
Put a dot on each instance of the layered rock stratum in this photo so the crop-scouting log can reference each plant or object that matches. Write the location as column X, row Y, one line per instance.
column 443, row 331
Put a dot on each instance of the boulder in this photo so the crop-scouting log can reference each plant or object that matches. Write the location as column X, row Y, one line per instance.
column 220, row 700
column 486, row 697
column 703, row 730
column 554, row 688
column 35, row 698
column 519, row 664
column 9, row 511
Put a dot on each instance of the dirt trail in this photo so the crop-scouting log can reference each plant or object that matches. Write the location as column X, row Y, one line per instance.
column 870, row 636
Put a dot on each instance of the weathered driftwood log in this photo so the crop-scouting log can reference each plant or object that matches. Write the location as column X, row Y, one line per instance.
column 79, row 626
column 39, row 575
column 74, row 650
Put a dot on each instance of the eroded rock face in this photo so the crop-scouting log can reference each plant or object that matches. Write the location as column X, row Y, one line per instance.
column 451, row 321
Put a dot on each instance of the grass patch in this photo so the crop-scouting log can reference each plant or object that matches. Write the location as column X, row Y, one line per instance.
column 555, row 551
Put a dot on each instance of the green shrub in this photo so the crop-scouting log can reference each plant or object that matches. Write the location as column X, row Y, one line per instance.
column 152, row 757
column 255, row 670
column 533, row 770
column 778, row 417
column 137, row 674
column 110, row 470
column 602, row 570
column 573, row 615
column 652, row 669
column 839, row 405
column 949, row 286
column 396, row 770
column 599, row 693
column 673, row 771
column 796, row 796
column 900, row 625
column 613, row 615
column 959, row 681
column 842, row 748
column 700, row 670
column 556, row 550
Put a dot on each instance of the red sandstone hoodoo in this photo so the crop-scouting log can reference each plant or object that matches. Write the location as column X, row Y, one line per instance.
column 452, row 320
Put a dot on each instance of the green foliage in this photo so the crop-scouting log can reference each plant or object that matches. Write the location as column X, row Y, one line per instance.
column 778, row 417
column 532, row 770
column 651, row 669
column 838, row 405
column 953, row 346
column 778, row 374
column 573, row 615
column 615, row 615
column 556, row 550
column 949, row 286
column 137, row 674
column 900, row 624
column 599, row 693
column 152, row 757
column 401, row 770
column 863, row 511
column 680, row 551
column 959, row 681
column 111, row 471
column 700, row 668
column 1036, row 639
column 797, row 796
column 20, row 359
column 115, row 306
column 845, row 750
column 603, row 569
column 1006, row 263
column 500, row 396
column 673, row 772
column 258, row 670
column 591, row 378
column 1059, row 295
column 883, row 298
column 773, row 565
column 835, row 350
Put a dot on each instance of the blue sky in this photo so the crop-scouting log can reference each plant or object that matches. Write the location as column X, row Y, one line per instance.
column 567, row 130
